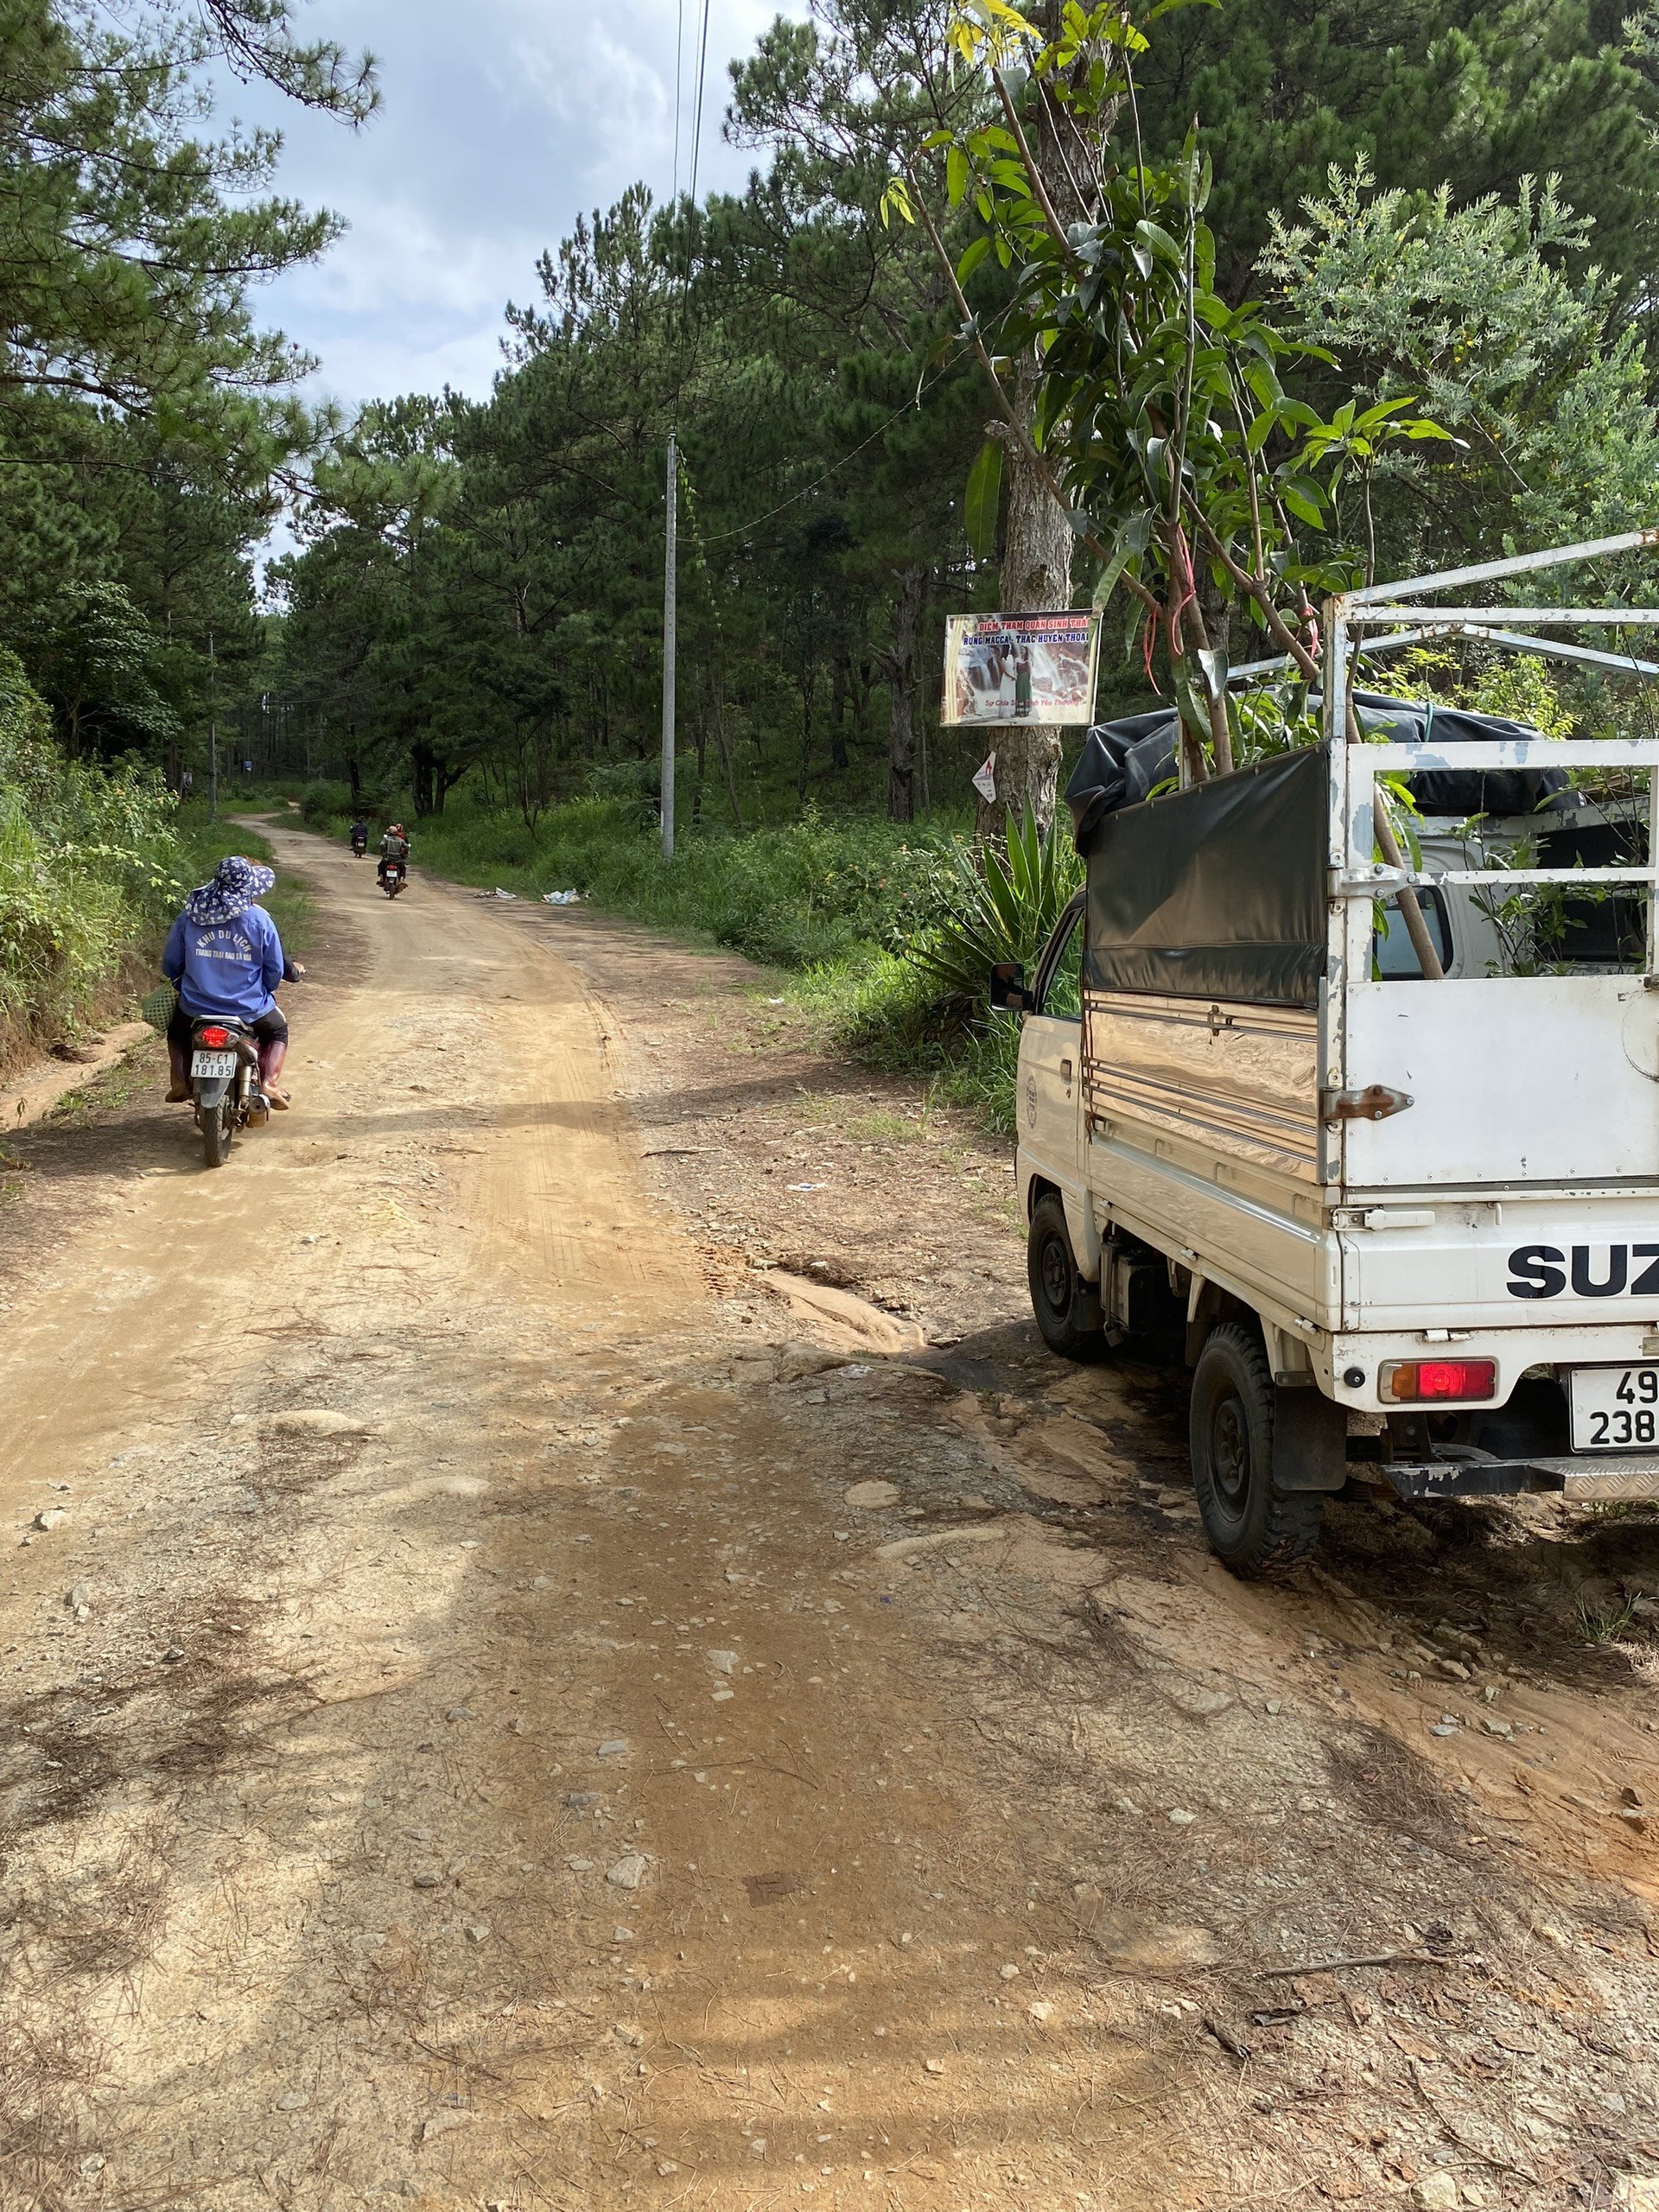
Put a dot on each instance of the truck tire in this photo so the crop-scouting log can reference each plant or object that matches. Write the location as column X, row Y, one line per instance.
column 1066, row 1307
column 1252, row 1525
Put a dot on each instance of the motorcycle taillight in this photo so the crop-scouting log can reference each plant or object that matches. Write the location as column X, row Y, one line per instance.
column 215, row 1037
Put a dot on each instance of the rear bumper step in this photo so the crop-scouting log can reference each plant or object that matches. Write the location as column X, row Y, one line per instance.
column 1575, row 1475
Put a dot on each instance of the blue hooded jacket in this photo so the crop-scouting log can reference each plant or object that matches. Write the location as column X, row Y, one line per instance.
column 224, row 951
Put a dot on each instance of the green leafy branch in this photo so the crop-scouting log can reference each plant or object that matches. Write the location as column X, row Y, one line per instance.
column 1167, row 418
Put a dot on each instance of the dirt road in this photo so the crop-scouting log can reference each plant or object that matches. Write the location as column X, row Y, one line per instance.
column 506, row 1703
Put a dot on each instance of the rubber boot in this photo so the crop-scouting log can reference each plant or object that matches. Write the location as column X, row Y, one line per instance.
column 271, row 1066
column 179, row 1090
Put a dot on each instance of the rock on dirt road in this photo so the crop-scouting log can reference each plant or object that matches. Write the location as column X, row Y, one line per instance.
column 566, row 1646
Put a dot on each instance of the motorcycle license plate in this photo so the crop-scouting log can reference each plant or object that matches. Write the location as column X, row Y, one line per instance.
column 1615, row 1408
column 213, row 1064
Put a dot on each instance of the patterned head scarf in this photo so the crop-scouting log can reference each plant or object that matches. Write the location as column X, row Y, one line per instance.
column 236, row 884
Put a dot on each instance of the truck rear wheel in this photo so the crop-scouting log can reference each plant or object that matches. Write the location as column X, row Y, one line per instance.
column 1253, row 1527
column 1066, row 1307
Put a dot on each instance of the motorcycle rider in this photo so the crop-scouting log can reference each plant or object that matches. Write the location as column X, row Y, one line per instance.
column 359, row 837
column 394, row 846
column 224, row 956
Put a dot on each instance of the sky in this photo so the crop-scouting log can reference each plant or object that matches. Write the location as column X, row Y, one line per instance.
column 502, row 120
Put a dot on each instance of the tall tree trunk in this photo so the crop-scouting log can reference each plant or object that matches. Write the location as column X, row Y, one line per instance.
column 808, row 684
column 719, row 694
column 861, row 675
column 1036, row 579
column 901, row 661
column 420, row 765
column 1038, row 543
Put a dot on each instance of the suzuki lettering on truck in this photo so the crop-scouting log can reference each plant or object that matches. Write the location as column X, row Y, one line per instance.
column 1543, row 1271
column 1364, row 1125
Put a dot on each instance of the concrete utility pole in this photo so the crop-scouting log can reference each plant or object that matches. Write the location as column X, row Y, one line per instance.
column 668, row 613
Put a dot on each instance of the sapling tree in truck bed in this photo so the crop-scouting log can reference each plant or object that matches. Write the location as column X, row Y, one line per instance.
column 1165, row 423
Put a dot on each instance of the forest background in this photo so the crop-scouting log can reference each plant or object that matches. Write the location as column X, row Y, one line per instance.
column 1442, row 213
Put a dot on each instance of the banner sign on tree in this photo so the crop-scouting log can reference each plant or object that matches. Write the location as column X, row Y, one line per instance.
column 1017, row 668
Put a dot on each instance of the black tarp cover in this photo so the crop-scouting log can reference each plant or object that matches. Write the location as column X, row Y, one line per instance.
column 1217, row 892
column 1462, row 791
column 1122, row 761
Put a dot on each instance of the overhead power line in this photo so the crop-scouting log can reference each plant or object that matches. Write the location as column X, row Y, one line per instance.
column 679, row 53
column 696, row 128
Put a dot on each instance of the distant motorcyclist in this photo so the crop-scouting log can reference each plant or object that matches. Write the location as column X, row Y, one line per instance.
column 224, row 956
column 359, row 837
column 394, row 846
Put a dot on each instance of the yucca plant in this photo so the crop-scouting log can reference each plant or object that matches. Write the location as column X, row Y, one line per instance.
column 994, row 902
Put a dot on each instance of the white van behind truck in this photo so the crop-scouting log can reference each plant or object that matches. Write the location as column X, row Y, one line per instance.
column 1397, row 1190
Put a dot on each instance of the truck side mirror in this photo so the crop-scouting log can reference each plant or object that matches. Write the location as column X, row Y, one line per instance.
column 1008, row 987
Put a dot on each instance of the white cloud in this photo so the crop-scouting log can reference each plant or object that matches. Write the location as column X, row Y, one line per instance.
column 502, row 121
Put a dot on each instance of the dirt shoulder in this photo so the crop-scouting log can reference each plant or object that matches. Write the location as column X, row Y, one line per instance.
column 610, row 1666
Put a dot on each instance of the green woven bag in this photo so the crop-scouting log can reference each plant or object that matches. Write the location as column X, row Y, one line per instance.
column 159, row 1008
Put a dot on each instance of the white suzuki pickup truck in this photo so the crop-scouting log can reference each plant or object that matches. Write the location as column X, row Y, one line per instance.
column 1381, row 1142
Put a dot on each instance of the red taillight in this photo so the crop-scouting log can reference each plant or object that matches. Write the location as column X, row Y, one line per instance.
column 215, row 1038
column 1413, row 1382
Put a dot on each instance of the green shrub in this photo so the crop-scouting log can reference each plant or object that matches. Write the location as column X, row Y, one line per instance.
column 794, row 896
column 89, row 864
column 322, row 803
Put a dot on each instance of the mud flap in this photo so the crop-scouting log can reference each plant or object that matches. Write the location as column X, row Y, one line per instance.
column 210, row 1091
column 1310, row 1441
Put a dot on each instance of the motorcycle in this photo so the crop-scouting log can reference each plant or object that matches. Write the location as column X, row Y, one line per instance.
column 224, row 1083
column 393, row 877
column 359, row 844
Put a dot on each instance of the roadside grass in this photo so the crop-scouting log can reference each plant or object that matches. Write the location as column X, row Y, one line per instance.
column 887, row 1128
column 86, row 856
column 864, row 1123
column 819, row 891
column 94, row 868
column 111, row 1088
column 839, row 910
column 1608, row 1623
